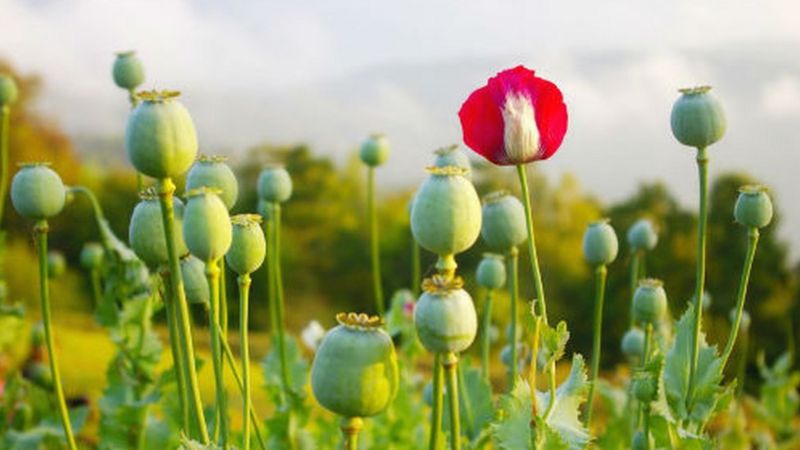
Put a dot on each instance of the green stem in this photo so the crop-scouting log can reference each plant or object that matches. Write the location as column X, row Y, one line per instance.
column 178, row 358
column 5, row 113
column 40, row 230
column 244, row 289
column 166, row 188
column 415, row 268
column 752, row 243
column 635, row 260
column 97, row 289
column 350, row 428
column 212, row 275
column 223, row 299
column 744, row 345
column 276, row 267
column 438, row 403
column 486, row 342
column 537, row 322
column 537, row 276
column 374, row 242
column 600, row 291
column 450, row 363
column 648, row 338
column 465, row 401
column 702, row 169
column 513, row 269
column 238, row 378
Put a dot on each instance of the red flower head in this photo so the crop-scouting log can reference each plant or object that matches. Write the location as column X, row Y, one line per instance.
column 516, row 118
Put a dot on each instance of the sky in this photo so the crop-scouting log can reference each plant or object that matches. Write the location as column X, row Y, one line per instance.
column 330, row 72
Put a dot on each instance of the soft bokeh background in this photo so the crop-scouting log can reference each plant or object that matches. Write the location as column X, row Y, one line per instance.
column 304, row 82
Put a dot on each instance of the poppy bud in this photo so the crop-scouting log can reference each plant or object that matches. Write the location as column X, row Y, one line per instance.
column 633, row 344
column 56, row 264
column 274, row 184
column 128, row 71
column 600, row 244
column 375, row 150
column 642, row 235
column 37, row 192
column 503, row 221
column 92, row 255
column 491, row 272
column 649, row 302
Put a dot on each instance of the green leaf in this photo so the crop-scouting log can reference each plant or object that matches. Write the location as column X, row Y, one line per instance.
column 562, row 429
column 553, row 342
column 708, row 376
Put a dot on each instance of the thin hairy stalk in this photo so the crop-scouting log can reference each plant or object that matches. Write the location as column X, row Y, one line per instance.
column 278, row 280
column 486, row 341
column 221, row 426
column 702, row 169
column 166, row 189
column 636, row 257
column 741, row 296
column 600, row 293
column 536, row 273
column 244, row 294
column 40, row 230
column 438, row 402
column 465, row 401
column 513, row 269
column 374, row 242
column 351, row 426
column 450, row 363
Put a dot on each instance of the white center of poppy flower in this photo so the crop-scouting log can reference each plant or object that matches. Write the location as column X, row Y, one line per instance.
column 520, row 134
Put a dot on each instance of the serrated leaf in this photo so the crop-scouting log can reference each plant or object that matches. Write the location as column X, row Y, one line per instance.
column 553, row 341
column 708, row 376
column 512, row 429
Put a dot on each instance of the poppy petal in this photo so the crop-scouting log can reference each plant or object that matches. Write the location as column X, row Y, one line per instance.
column 482, row 125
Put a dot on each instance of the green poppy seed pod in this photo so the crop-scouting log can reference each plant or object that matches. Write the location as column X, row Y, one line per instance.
column 354, row 373
column 211, row 171
column 146, row 230
column 504, row 224
column 642, row 441
column 446, row 214
column 128, row 71
column 160, row 138
column 645, row 389
column 195, row 284
column 649, row 302
column 375, row 150
column 642, row 235
column 248, row 246
column 491, row 272
column 274, row 184
column 37, row 191
column 92, row 255
column 8, row 90
column 56, row 264
column 41, row 375
column 207, row 226
column 753, row 207
column 600, row 245
column 697, row 117
column 453, row 156
column 633, row 344
column 445, row 316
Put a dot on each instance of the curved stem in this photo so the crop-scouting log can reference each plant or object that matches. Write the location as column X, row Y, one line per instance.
column 635, row 260
column 374, row 242
column 166, row 188
column 486, row 342
column 238, row 378
column 536, row 273
column 752, row 242
column 702, row 169
column 600, row 292
column 244, row 290
column 40, row 230
column 438, row 403
column 350, row 429
column 276, row 267
column 212, row 275
column 5, row 113
column 513, row 262
column 450, row 363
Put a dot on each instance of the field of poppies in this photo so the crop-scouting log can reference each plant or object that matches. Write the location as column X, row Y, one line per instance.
column 426, row 366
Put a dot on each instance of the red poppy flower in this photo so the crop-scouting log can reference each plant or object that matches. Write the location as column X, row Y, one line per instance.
column 516, row 118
